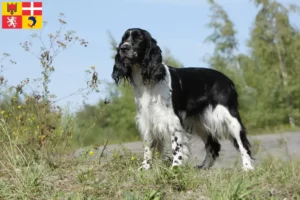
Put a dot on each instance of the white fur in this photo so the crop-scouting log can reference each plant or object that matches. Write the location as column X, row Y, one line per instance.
column 155, row 117
column 219, row 122
column 215, row 121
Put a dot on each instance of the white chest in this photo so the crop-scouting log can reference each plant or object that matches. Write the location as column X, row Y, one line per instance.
column 154, row 109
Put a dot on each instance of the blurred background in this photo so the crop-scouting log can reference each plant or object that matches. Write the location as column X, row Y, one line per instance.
column 56, row 85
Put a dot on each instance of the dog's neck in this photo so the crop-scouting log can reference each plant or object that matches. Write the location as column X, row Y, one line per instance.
column 137, row 79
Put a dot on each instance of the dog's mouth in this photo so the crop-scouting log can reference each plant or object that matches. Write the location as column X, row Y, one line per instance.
column 127, row 62
column 130, row 55
column 130, row 58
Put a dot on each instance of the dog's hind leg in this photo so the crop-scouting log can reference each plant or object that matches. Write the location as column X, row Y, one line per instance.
column 212, row 147
column 221, row 120
column 240, row 140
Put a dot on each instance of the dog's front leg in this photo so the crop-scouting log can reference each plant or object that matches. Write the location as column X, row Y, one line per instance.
column 180, row 147
column 148, row 154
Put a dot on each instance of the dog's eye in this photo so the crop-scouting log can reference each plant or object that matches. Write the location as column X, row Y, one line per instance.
column 125, row 36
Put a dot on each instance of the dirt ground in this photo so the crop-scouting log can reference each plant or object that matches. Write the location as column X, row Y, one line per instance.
column 284, row 145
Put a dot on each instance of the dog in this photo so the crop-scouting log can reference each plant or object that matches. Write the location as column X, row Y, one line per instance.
column 174, row 103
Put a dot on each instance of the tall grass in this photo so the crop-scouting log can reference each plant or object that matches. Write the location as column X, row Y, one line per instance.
column 25, row 175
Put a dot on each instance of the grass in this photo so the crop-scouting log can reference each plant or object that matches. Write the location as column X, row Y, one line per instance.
column 273, row 129
column 44, row 166
column 27, row 175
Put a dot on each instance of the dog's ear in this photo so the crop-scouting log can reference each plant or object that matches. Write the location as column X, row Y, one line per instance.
column 117, row 73
column 152, row 70
column 120, row 70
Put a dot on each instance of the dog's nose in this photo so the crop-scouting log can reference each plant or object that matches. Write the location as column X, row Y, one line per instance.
column 125, row 47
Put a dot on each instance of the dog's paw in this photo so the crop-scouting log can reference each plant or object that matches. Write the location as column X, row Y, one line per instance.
column 145, row 166
column 248, row 168
column 167, row 161
column 202, row 167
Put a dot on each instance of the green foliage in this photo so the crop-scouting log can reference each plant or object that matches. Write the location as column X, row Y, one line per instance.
column 266, row 79
column 275, row 44
column 113, row 121
column 31, row 120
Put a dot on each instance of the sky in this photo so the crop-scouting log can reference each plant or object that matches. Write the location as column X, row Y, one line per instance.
column 179, row 25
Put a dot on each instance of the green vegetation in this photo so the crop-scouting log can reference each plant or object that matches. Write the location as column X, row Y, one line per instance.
column 38, row 138
column 267, row 77
column 26, row 176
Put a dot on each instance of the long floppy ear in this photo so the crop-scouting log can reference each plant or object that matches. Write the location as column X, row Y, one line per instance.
column 152, row 70
column 120, row 70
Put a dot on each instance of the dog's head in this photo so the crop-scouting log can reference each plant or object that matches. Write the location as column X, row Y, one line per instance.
column 138, row 48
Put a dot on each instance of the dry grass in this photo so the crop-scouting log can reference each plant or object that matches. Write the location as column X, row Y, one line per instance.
column 28, row 175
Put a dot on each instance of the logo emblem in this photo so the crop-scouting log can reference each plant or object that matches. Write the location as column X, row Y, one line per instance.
column 33, row 19
column 22, row 15
column 12, row 21
column 12, row 7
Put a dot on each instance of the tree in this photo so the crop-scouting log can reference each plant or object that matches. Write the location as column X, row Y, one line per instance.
column 274, row 49
column 225, row 57
column 266, row 78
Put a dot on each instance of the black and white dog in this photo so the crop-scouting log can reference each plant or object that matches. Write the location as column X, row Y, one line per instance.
column 174, row 103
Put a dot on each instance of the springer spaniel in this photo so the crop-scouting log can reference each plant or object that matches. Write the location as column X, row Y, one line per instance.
column 174, row 103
